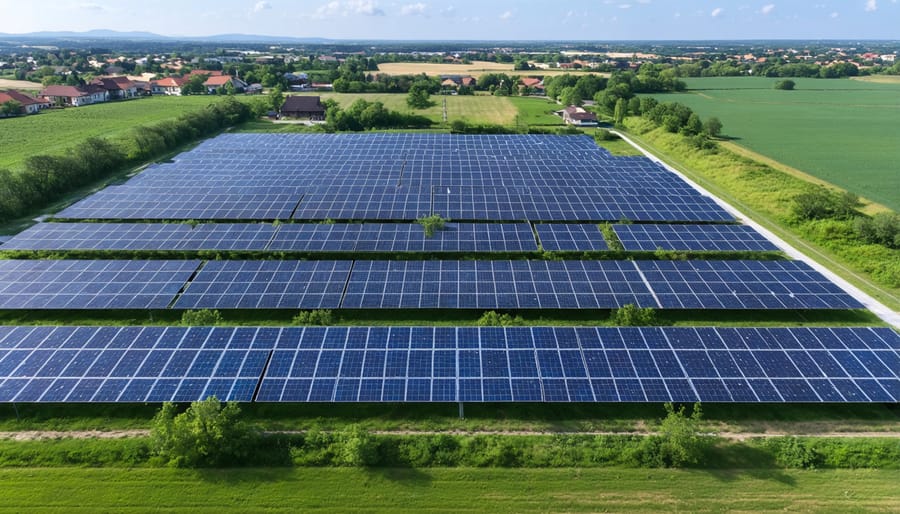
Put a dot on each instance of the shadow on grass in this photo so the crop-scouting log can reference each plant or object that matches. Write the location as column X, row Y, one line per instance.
column 730, row 462
column 409, row 477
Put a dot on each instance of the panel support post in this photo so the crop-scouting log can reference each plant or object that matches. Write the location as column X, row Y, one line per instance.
column 462, row 413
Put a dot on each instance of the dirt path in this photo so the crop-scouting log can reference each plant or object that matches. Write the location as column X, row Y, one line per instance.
column 35, row 435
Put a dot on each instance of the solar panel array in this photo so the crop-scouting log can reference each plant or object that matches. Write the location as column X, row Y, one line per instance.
column 71, row 284
column 726, row 238
column 571, row 237
column 401, row 177
column 403, row 364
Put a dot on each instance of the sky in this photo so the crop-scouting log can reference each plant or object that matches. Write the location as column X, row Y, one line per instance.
column 469, row 19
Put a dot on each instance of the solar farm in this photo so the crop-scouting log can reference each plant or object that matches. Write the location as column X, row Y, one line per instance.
column 330, row 222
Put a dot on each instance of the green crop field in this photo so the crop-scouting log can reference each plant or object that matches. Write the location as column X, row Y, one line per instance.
column 57, row 130
column 841, row 131
column 446, row 490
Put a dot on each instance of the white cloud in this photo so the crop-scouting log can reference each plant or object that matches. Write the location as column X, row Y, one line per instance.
column 87, row 6
column 716, row 12
column 644, row 1
column 834, row 15
column 624, row 6
column 767, row 9
column 416, row 9
column 448, row 11
column 871, row 5
column 507, row 15
column 348, row 8
column 261, row 6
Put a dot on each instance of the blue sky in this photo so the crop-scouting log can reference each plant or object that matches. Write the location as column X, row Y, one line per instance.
column 470, row 19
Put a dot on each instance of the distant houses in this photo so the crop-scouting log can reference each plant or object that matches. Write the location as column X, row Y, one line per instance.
column 303, row 107
column 219, row 82
column 578, row 117
column 170, row 86
column 27, row 104
column 119, row 88
column 75, row 96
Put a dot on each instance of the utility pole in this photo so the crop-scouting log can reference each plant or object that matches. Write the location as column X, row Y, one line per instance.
column 445, row 110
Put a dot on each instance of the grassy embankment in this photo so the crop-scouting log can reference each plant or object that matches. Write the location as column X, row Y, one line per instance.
column 841, row 131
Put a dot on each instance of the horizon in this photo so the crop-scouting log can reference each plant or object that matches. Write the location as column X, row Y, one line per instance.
column 469, row 20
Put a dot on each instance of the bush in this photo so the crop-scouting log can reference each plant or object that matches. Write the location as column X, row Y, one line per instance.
column 432, row 223
column 792, row 452
column 605, row 135
column 201, row 318
column 821, row 203
column 321, row 317
column 612, row 239
column 785, row 85
column 205, row 435
column 633, row 316
column 357, row 447
column 882, row 229
column 493, row 319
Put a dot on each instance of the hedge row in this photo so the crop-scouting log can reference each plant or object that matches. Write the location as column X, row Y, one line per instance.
column 48, row 178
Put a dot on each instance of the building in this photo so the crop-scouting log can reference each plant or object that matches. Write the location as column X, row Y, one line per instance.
column 30, row 105
column 119, row 88
column 534, row 84
column 458, row 80
column 170, row 86
column 309, row 107
column 578, row 117
column 215, row 83
column 75, row 96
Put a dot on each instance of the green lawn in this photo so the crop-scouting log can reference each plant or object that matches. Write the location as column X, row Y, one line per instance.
column 56, row 130
column 842, row 131
column 537, row 111
column 73, row 490
column 472, row 109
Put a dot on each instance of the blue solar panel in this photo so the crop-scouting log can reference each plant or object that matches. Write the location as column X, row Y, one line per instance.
column 571, row 237
column 727, row 238
column 71, row 284
column 495, row 284
column 266, row 285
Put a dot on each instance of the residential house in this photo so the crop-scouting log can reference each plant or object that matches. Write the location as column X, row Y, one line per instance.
column 30, row 104
column 75, row 96
column 578, row 117
column 119, row 88
column 254, row 89
column 170, row 86
column 459, row 80
column 215, row 83
column 534, row 84
column 309, row 107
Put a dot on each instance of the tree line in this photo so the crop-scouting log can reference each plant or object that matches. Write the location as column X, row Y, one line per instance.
column 46, row 178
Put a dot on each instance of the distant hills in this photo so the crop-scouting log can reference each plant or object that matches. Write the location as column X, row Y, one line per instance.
column 103, row 34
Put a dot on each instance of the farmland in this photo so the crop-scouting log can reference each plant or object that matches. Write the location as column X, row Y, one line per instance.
column 841, row 131
column 457, row 490
column 19, row 84
column 56, row 130
column 476, row 69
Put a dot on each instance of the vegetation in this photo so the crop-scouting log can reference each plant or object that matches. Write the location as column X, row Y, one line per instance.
column 432, row 223
column 206, row 434
column 322, row 317
column 364, row 115
column 785, row 85
column 201, row 318
column 632, row 316
column 495, row 319
column 796, row 129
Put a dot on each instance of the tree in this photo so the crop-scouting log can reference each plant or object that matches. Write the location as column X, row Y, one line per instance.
column 693, row 126
column 713, row 127
column 206, row 434
column 418, row 97
column 621, row 111
column 786, row 85
column 357, row 447
column 276, row 97
column 10, row 108
column 571, row 96
column 681, row 442
column 431, row 223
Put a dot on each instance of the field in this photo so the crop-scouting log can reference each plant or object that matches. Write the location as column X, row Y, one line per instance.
column 56, row 130
column 19, row 84
column 841, row 131
column 476, row 69
column 446, row 490
column 473, row 109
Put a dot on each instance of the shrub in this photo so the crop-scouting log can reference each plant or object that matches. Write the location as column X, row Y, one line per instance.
column 321, row 317
column 792, row 452
column 205, row 435
column 201, row 318
column 785, row 85
column 605, row 135
column 494, row 319
column 821, row 203
column 432, row 223
column 632, row 316
column 882, row 229
column 357, row 447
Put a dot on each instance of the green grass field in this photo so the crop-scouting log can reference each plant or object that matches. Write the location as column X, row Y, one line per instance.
column 56, row 130
column 73, row 490
column 842, row 131
column 472, row 109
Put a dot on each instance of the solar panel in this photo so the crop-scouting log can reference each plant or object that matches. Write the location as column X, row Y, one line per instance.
column 742, row 285
column 495, row 284
column 726, row 238
column 266, row 285
column 571, row 237
column 74, row 284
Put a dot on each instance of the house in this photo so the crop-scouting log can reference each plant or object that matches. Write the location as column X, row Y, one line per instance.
column 578, row 117
column 208, row 73
column 310, row 107
column 534, row 84
column 254, row 89
column 449, row 84
column 119, row 88
column 459, row 80
column 75, row 96
column 215, row 83
column 30, row 105
column 170, row 86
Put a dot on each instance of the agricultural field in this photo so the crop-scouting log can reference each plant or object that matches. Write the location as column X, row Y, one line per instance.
column 56, row 130
column 453, row 490
column 840, row 131
column 476, row 69
column 19, row 84
column 472, row 109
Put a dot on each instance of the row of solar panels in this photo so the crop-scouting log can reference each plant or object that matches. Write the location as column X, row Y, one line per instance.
column 111, row 284
column 359, row 203
column 426, row 364
column 383, row 237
